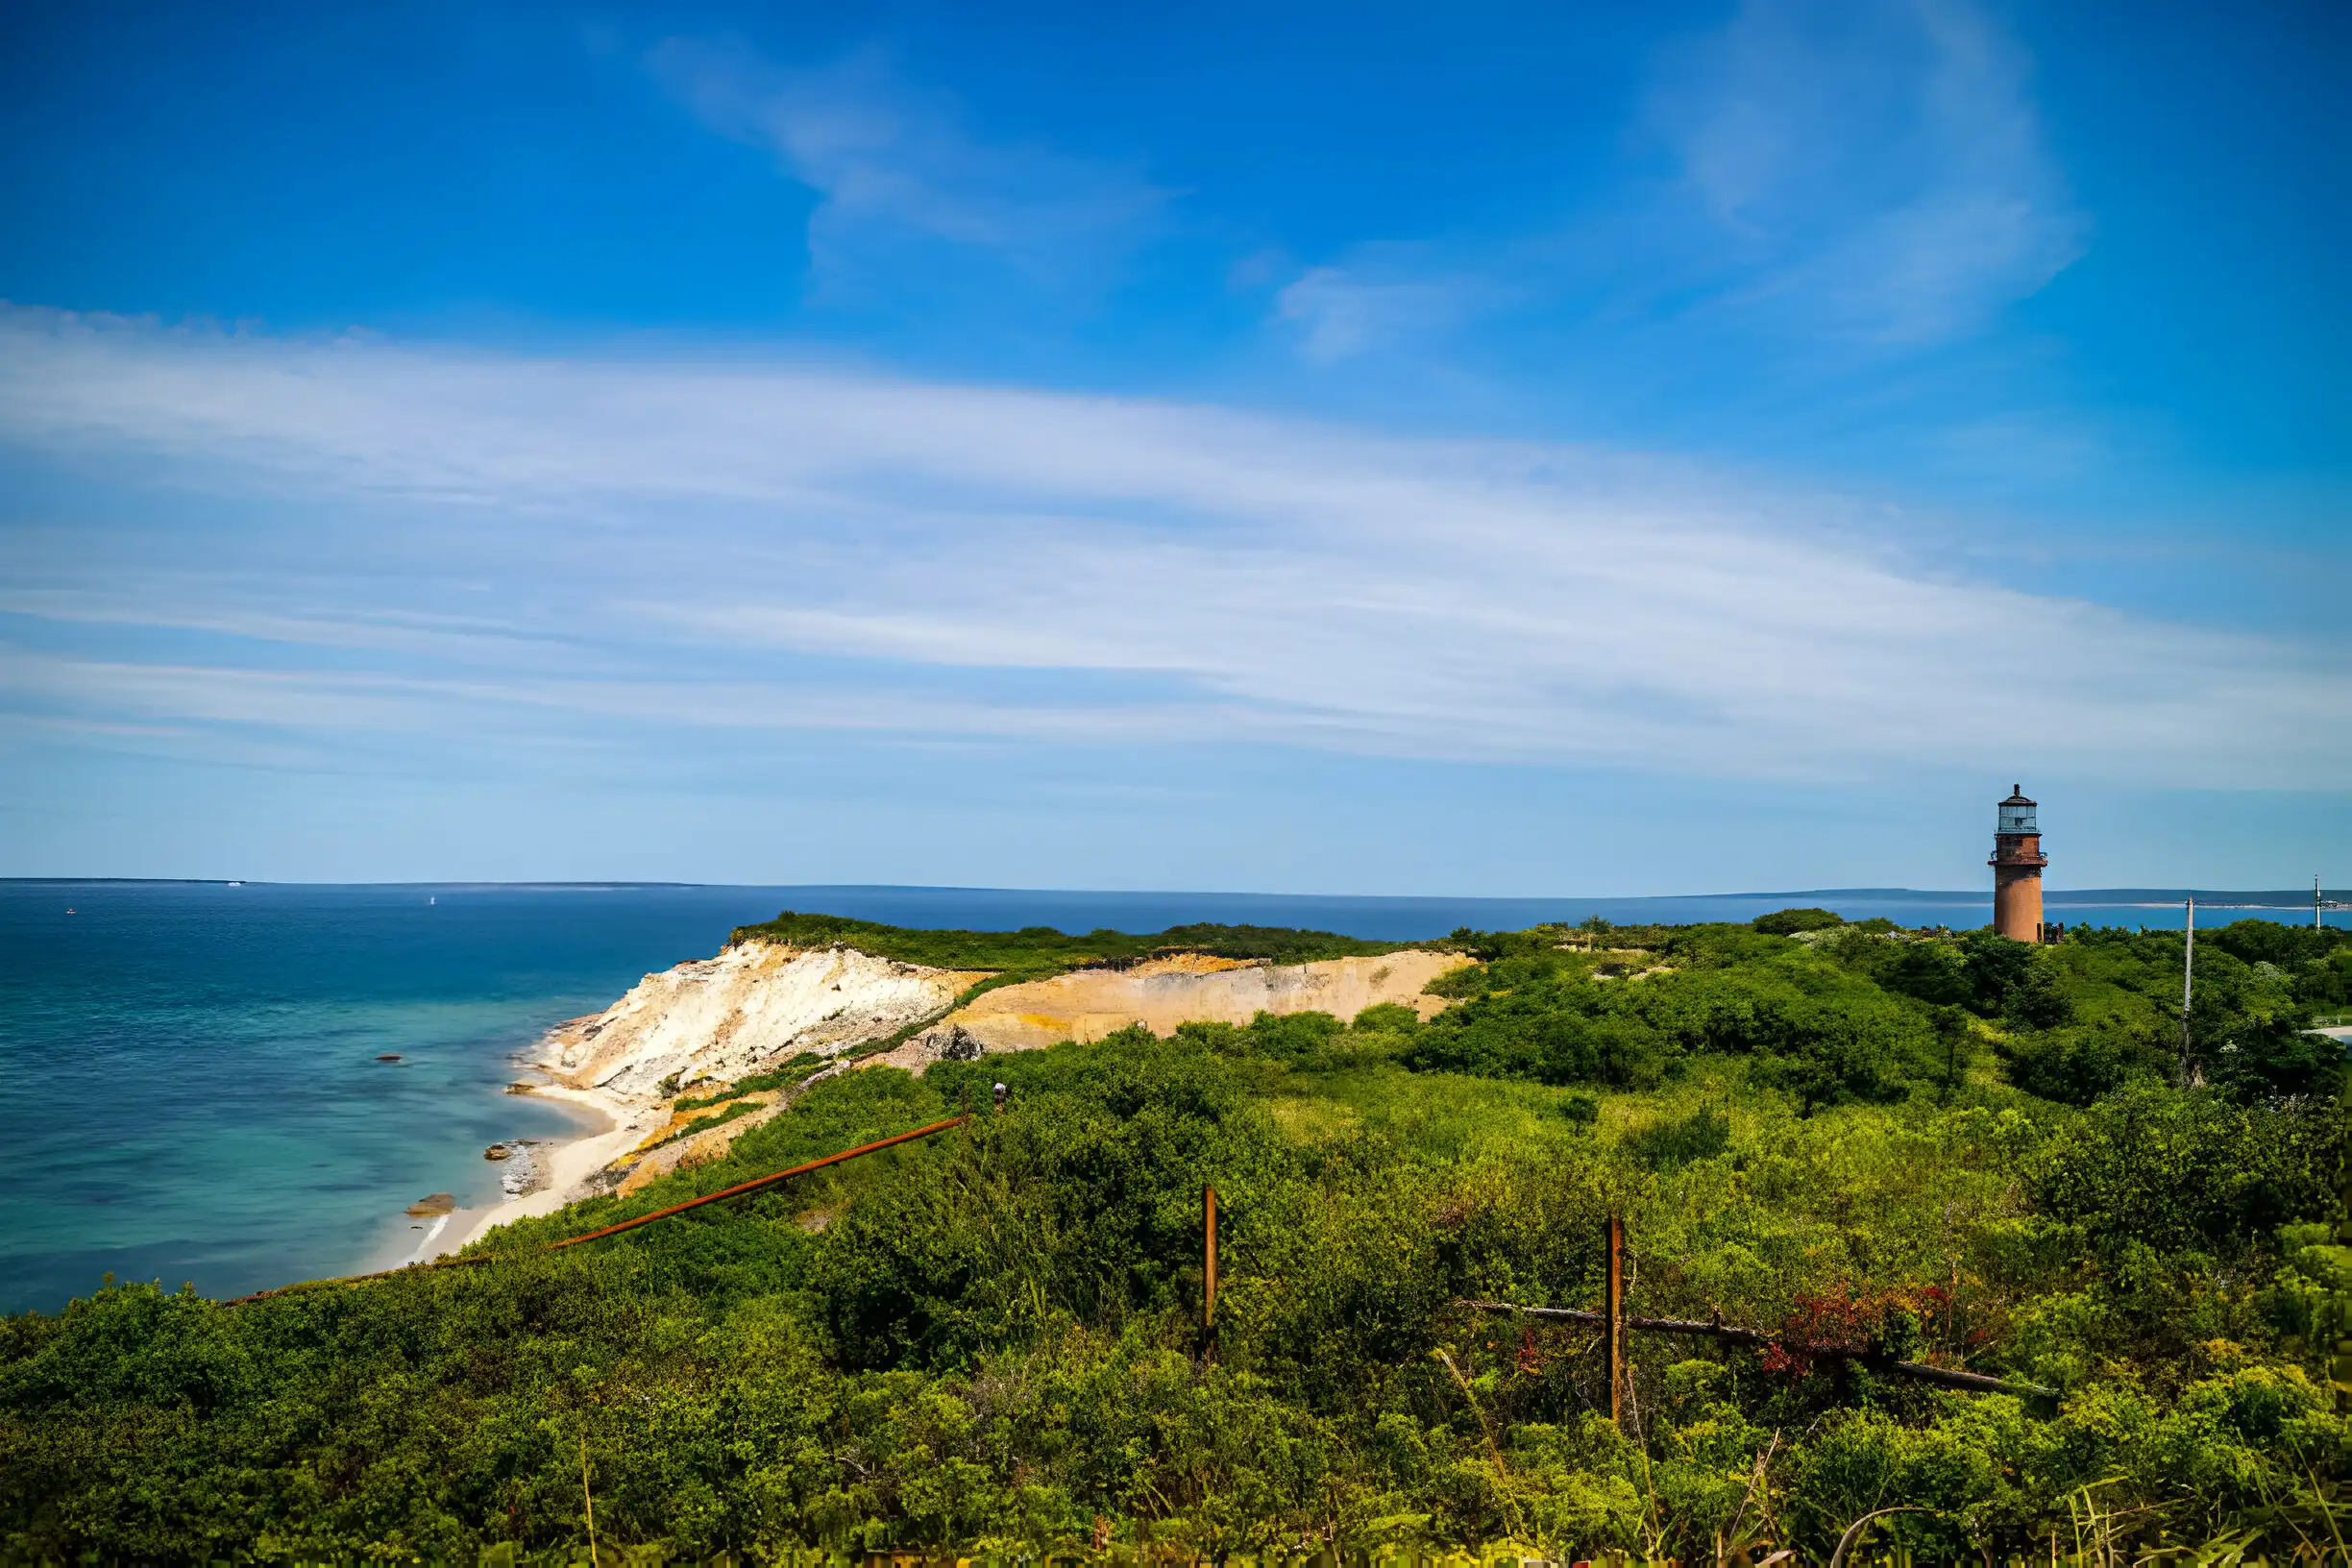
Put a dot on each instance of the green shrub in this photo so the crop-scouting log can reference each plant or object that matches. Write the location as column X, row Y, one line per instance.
column 2273, row 1054
column 1930, row 972
column 1994, row 965
column 2189, row 1171
column 1387, row 1017
column 2073, row 1067
column 1043, row 949
column 1548, row 1036
column 1787, row 923
column 1677, row 1141
column 784, row 1075
column 2038, row 1001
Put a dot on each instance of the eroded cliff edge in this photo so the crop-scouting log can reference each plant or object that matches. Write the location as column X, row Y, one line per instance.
column 696, row 1055
column 754, row 1006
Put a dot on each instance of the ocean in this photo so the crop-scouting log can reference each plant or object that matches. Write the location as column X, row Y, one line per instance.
column 190, row 1088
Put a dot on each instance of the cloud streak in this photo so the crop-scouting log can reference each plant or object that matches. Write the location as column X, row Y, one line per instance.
column 1841, row 180
column 905, row 189
column 1380, row 297
column 582, row 546
column 1877, row 172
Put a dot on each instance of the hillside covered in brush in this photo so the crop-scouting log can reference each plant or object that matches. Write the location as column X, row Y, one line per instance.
column 1948, row 1149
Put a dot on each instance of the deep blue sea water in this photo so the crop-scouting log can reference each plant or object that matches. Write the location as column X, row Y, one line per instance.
column 188, row 1083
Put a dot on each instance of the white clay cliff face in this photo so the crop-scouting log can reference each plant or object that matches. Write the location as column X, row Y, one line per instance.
column 719, row 1019
column 723, row 1018
column 1161, row 995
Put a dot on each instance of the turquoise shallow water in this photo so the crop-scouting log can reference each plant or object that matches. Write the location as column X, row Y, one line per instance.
column 188, row 1083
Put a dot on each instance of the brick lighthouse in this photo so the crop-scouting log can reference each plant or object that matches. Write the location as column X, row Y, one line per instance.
column 2017, row 870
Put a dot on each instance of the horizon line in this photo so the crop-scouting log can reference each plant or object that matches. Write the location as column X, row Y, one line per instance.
column 2152, row 897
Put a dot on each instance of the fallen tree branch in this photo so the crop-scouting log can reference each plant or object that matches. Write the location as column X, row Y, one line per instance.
column 1975, row 1383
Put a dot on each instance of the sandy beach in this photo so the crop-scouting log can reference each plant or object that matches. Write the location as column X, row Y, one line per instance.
column 614, row 1125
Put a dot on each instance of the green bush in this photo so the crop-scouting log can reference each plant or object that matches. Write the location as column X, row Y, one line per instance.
column 2070, row 1065
column 2037, row 999
column 1043, row 949
column 1930, row 972
column 1994, row 965
column 2189, row 1171
column 1787, row 923
column 1670, row 1141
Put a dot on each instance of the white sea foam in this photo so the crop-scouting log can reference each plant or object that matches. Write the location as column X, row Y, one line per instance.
column 521, row 1171
column 425, row 1247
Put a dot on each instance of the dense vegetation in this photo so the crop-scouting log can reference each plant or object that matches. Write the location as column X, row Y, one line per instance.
column 1953, row 1148
column 1867, row 1013
column 1042, row 950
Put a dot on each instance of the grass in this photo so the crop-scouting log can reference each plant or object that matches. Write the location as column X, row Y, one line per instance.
column 783, row 1075
column 702, row 1125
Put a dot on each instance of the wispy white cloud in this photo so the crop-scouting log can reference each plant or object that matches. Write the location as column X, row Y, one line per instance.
column 1844, row 178
column 902, row 181
column 1379, row 297
column 766, row 548
column 1876, row 171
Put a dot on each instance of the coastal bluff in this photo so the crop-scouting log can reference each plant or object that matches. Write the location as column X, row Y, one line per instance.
column 759, row 1003
column 696, row 1055
column 1164, row 993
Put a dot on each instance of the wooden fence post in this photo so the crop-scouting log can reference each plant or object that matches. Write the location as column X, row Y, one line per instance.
column 1615, row 1312
column 1209, row 1262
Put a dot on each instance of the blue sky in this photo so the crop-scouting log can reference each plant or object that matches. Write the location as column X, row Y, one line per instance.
column 1349, row 449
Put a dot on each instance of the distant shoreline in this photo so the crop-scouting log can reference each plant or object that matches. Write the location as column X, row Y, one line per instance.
column 2134, row 897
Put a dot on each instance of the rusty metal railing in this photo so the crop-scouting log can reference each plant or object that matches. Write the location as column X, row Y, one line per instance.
column 739, row 1189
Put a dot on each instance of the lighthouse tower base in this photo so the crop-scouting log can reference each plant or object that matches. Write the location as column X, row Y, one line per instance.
column 2017, row 902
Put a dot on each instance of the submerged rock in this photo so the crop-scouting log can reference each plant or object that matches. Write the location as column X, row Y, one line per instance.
column 434, row 1205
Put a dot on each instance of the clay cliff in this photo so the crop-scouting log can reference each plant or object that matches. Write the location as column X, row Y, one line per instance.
column 1183, row 988
column 721, row 1019
column 718, row 1020
column 712, row 1023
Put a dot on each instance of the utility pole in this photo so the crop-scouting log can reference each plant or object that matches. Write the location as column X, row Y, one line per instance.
column 2188, row 989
